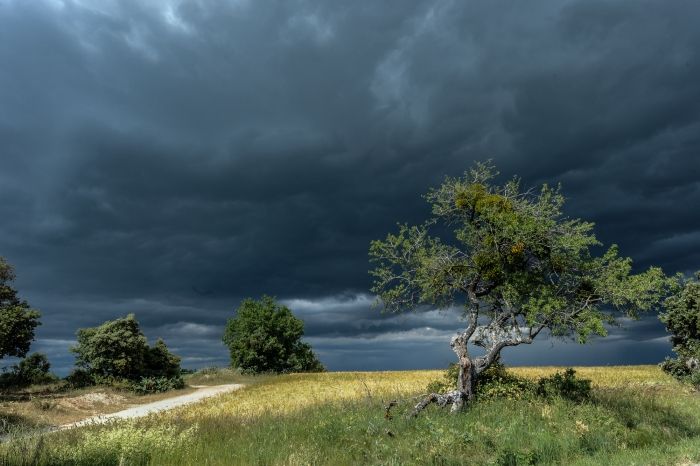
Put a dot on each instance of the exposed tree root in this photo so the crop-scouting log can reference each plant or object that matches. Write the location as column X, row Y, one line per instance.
column 454, row 398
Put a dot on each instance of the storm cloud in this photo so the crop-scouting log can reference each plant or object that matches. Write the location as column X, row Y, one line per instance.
column 170, row 158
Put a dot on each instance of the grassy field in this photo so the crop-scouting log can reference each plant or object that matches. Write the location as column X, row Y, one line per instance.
column 637, row 415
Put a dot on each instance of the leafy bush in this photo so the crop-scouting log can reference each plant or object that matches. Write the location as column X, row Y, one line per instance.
column 34, row 369
column 448, row 381
column 497, row 383
column 111, row 381
column 147, row 385
column 79, row 378
column 675, row 367
column 494, row 382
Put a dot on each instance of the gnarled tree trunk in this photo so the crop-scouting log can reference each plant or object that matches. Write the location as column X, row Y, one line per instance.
column 465, row 381
column 467, row 375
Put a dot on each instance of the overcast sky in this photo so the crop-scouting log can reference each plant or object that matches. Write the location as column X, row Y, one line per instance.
column 170, row 158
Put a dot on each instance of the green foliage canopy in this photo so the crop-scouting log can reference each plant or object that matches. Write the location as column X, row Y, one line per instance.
column 17, row 320
column 514, row 261
column 266, row 337
column 119, row 349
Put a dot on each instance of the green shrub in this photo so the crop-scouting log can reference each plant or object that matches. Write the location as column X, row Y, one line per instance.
column 111, row 381
column 694, row 379
column 448, row 381
column 34, row 369
column 497, row 383
column 79, row 378
column 676, row 368
column 147, row 385
column 565, row 385
column 494, row 382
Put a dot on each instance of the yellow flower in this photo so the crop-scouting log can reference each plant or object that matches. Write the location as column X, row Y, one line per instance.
column 581, row 428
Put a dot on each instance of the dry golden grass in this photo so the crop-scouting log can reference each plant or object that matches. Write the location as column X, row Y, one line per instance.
column 607, row 376
column 292, row 393
column 289, row 394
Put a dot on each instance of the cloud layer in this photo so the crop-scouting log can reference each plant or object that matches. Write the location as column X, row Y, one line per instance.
column 170, row 158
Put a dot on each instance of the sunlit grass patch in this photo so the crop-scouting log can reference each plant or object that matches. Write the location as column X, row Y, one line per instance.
column 291, row 393
column 606, row 376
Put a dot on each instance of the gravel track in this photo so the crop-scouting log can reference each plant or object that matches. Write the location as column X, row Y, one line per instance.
column 202, row 393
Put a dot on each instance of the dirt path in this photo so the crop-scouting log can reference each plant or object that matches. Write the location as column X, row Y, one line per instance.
column 157, row 406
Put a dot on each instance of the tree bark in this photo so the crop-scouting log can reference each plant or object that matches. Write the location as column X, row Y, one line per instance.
column 467, row 371
column 465, row 381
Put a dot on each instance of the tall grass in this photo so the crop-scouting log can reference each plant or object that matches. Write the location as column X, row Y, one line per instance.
column 338, row 418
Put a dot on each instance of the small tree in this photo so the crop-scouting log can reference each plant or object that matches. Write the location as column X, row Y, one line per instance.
column 118, row 349
column 515, row 265
column 266, row 337
column 682, row 319
column 34, row 369
column 17, row 320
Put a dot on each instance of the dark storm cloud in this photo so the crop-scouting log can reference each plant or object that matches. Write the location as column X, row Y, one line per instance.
column 169, row 158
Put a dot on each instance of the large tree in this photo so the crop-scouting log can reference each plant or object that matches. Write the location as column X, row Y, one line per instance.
column 265, row 336
column 17, row 320
column 514, row 264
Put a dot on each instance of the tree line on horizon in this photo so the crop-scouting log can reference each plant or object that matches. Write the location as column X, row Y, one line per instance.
column 263, row 337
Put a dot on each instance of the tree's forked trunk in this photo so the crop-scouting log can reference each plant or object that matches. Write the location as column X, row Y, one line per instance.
column 465, row 381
